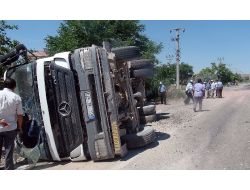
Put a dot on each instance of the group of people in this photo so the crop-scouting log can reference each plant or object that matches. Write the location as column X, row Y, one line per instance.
column 214, row 88
column 197, row 91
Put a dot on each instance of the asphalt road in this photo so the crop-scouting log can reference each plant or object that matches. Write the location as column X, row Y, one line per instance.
column 216, row 138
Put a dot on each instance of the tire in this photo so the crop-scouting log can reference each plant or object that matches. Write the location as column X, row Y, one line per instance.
column 147, row 118
column 140, row 139
column 147, row 110
column 149, row 103
column 126, row 53
column 143, row 73
column 140, row 103
column 141, row 63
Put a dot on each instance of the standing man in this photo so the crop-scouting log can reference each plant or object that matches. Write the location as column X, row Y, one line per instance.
column 216, row 89
column 199, row 90
column 162, row 92
column 219, row 89
column 11, row 118
column 212, row 88
column 204, row 85
column 189, row 92
column 208, row 89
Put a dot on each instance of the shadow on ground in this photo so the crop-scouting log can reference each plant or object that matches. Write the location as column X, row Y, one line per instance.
column 203, row 110
column 39, row 166
column 246, row 87
column 44, row 165
column 243, row 87
column 159, row 137
column 160, row 116
column 133, row 152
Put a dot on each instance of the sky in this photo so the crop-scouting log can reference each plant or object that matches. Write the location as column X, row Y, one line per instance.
column 202, row 43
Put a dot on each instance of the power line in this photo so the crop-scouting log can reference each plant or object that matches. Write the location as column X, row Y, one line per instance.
column 221, row 60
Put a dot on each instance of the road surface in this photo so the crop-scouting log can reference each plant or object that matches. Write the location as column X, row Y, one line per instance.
column 216, row 138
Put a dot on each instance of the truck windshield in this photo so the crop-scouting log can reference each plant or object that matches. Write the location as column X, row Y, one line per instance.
column 27, row 88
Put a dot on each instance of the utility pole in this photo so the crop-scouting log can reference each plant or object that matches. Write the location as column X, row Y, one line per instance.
column 177, row 39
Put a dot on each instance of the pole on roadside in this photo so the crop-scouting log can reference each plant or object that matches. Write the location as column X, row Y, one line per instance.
column 177, row 39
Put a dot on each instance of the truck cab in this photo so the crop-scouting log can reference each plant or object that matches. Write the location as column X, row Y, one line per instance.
column 48, row 93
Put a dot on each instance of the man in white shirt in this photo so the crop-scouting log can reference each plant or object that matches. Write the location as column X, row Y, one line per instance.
column 216, row 90
column 212, row 88
column 11, row 118
column 189, row 92
column 219, row 89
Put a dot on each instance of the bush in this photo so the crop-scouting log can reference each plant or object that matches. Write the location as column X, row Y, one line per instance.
column 152, row 85
column 174, row 93
column 166, row 73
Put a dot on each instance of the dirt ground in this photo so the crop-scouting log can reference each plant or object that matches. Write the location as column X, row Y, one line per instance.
column 216, row 138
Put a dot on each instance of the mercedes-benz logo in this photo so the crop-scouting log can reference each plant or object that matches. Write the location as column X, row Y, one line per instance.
column 64, row 109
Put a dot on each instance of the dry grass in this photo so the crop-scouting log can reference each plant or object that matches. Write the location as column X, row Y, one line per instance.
column 173, row 93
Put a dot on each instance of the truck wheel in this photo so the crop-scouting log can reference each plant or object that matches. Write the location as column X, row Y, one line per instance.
column 141, row 63
column 149, row 103
column 140, row 101
column 143, row 73
column 140, row 139
column 126, row 53
column 147, row 118
column 147, row 110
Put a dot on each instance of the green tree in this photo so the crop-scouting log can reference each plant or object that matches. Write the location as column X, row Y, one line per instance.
column 5, row 42
column 76, row 34
column 186, row 72
column 237, row 77
column 207, row 74
column 218, row 71
column 224, row 73
column 167, row 75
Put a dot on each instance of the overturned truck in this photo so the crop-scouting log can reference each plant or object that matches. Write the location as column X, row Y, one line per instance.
column 87, row 104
